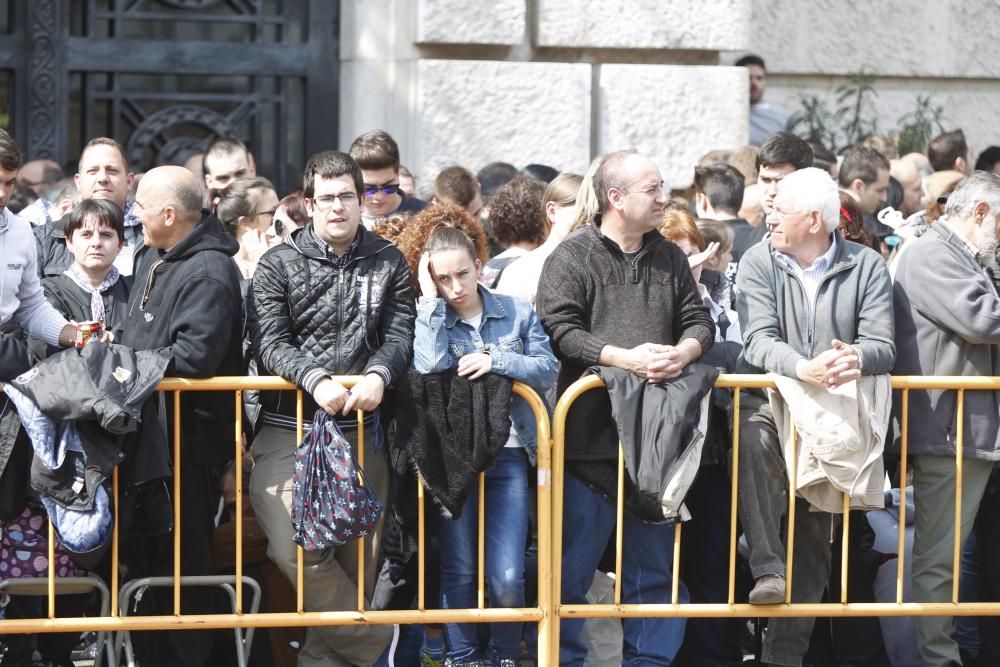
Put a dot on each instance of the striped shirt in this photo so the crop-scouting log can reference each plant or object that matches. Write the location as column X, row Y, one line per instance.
column 811, row 276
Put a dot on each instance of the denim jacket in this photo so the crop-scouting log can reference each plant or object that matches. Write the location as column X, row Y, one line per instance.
column 509, row 332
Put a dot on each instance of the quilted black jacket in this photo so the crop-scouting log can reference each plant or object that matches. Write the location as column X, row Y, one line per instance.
column 309, row 319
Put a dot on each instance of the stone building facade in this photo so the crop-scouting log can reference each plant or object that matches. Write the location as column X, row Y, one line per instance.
column 559, row 81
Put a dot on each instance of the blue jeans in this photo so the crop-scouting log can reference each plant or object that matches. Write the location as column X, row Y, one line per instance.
column 506, row 514
column 647, row 559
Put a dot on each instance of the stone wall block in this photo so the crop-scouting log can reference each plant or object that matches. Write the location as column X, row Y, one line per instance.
column 480, row 111
column 891, row 37
column 464, row 22
column 645, row 24
column 673, row 114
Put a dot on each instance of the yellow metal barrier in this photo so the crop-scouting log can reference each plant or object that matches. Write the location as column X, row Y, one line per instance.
column 551, row 474
column 672, row 608
column 540, row 614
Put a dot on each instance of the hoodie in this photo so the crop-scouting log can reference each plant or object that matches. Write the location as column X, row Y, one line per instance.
column 186, row 303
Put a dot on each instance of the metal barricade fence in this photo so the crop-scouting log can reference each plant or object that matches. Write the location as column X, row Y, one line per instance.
column 118, row 622
column 550, row 485
column 730, row 608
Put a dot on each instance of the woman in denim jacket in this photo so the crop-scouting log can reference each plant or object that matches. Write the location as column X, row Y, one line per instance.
column 465, row 326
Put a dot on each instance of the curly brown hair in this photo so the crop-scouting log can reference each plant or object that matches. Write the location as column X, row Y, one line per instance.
column 516, row 212
column 391, row 227
column 414, row 236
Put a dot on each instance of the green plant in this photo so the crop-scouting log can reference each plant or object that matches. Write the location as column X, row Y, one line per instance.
column 814, row 120
column 919, row 126
column 851, row 121
column 853, row 118
column 855, row 108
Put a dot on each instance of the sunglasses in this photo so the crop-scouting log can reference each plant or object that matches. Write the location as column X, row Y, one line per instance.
column 387, row 189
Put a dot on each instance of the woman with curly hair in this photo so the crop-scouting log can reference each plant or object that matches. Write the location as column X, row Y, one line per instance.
column 518, row 222
column 418, row 229
column 520, row 278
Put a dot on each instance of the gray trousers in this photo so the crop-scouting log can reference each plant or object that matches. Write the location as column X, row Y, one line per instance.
column 763, row 505
column 329, row 577
column 933, row 542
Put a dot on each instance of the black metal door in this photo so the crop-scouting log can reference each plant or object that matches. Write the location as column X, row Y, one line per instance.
column 164, row 76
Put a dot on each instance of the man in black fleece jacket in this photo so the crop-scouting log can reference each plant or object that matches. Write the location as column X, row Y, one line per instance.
column 616, row 293
column 186, row 301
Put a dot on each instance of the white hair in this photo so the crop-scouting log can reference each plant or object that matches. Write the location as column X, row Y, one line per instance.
column 811, row 189
column 980, row 186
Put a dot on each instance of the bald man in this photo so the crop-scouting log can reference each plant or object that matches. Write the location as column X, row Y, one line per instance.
column 186, row 302
column 906, row 172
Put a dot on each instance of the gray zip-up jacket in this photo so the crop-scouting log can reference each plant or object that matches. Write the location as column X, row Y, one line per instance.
column 853, row 304
column 948, row 323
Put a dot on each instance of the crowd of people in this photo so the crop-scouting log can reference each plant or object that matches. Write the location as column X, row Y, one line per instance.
column 827, row 272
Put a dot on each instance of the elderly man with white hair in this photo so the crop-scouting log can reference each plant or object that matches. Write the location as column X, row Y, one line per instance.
column 818, row 309
column 948, row 317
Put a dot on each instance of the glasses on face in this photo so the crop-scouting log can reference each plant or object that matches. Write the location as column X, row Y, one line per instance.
column 325, row 202
column 386, row 189
column 269, row 213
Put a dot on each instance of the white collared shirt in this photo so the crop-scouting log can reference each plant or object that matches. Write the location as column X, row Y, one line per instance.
column 811, row 276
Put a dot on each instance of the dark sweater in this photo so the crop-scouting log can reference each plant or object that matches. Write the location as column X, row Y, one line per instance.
column 591, row 295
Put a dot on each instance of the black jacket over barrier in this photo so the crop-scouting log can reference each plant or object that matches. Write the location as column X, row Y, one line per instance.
column 452, row 429
column 104, row 389
column 654, row 424
column 186, row 303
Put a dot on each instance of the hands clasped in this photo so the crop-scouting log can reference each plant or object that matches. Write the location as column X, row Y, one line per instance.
column 832, row 368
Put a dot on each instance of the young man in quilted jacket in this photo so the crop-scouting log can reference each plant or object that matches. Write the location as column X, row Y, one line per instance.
column 332, row 299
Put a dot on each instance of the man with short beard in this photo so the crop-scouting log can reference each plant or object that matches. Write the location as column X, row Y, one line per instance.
column 948, row 323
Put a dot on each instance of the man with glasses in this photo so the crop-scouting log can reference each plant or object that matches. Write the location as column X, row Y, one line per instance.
column 333, row 299
column 378, row 156
column 616, row 293
column 816, row 308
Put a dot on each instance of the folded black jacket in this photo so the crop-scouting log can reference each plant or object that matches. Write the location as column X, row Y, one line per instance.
column 104, row 388
column 625, row 412
column 452, row 429
column 658, row 427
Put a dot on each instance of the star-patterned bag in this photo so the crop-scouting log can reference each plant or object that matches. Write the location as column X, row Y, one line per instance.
column 331, row 503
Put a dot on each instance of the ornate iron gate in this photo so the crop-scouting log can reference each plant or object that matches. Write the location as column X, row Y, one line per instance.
column 164, row 76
